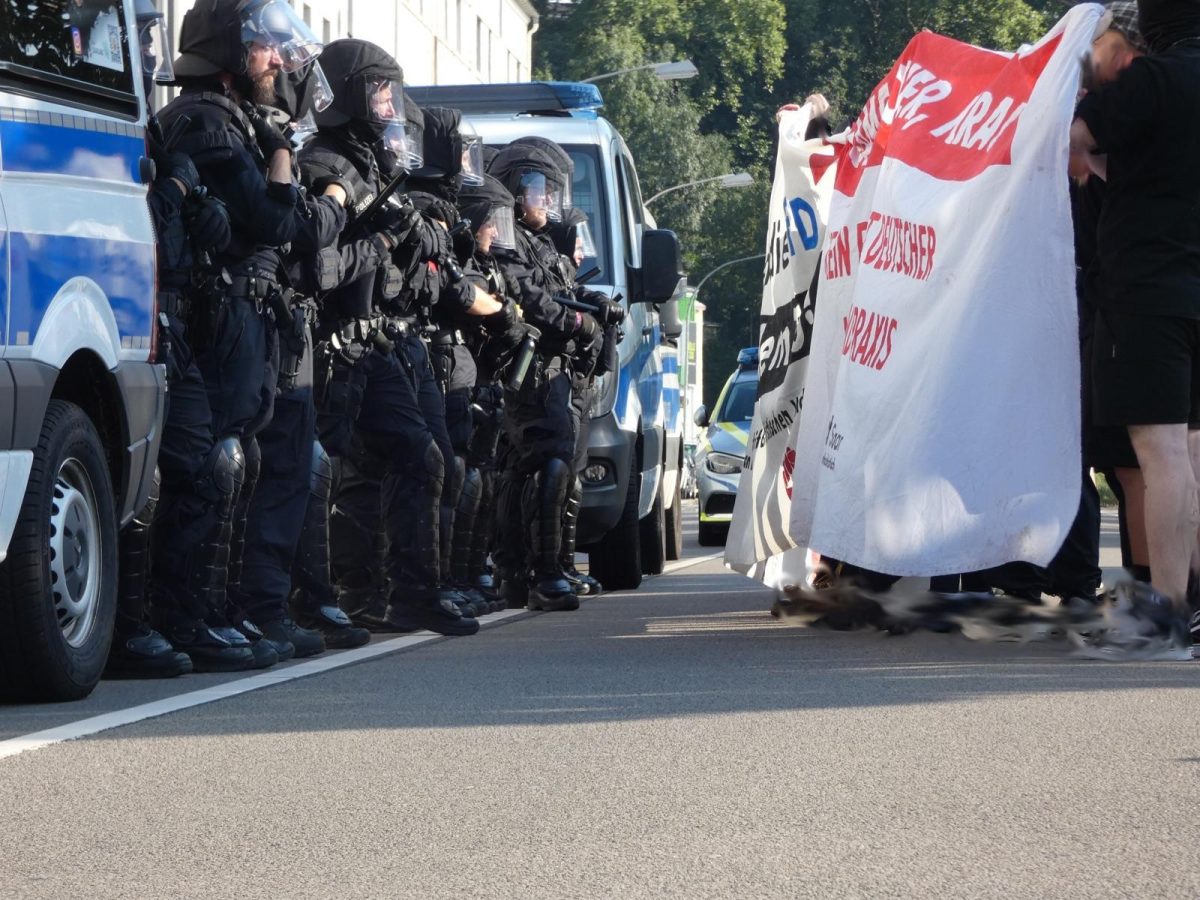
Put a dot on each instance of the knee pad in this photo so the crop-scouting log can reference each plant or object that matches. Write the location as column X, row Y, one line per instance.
column 433, row 463
column 321, row 480
column 253, row 453
column 224, row 470
column 472, row 487
column 554, row 481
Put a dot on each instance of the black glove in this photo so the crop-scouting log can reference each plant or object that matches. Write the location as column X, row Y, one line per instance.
column 182, row 169
column 611, row 312
column 396, row 219
column 505, row 320
column 440, row 245
column 589, row 328
column 464, row 244
column 207, row 223
column 268, row 136
column 443, row 210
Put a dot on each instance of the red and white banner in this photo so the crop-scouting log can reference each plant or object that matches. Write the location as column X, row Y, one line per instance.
column 940, row 426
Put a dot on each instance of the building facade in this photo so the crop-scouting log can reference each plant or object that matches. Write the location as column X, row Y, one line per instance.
column 435, row 41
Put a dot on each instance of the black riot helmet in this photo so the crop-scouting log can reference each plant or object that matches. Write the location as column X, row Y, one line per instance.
column 442, row 143
column 489, row 205
column 298, row 97
column 369, row 101
column 566, row 165
column 217, row 34
column 533, row 177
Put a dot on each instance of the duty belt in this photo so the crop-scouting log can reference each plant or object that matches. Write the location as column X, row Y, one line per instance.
column 174, row 305
column 251, row 287
column 358, row 331
column 403, row 326
column 443, row 337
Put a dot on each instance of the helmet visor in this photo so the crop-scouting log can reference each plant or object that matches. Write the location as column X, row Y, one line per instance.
column 538, row 192
column 472, row 156
column 585, row 246
column 303, row 130
column 498, row 230
column 400, row 140
column 274, row 24
column 156, row 50
column 320, row 94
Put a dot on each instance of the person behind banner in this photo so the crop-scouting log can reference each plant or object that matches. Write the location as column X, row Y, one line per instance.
column 1140, row 133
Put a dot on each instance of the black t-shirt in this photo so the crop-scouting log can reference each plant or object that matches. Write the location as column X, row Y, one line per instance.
column 1148, row 242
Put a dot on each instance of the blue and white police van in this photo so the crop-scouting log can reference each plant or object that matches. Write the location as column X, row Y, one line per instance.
column 81, row 398
column 630, row 520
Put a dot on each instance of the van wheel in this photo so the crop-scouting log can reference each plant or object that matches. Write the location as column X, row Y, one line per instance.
column 713, row 534
column 616, row 561
column 674, row 525
column 58, row 586
column 653, row 528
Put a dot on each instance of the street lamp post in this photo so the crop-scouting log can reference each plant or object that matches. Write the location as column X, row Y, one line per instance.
column 725, row 265
column 665, row 71
column 729, row 180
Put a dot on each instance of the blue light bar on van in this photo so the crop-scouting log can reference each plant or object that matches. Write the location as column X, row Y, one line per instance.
column 553, row 98
column 748, row 356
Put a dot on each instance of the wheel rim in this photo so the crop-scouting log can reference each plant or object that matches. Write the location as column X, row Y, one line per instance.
column 75, row 575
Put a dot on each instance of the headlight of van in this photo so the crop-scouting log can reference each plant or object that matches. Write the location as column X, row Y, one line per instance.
column 723, row 463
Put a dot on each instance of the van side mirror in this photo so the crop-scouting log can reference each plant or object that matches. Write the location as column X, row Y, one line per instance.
column 662, row 266
column 669, row 321
column 701, row 417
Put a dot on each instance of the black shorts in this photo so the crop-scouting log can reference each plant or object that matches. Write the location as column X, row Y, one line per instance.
column 1145, row 370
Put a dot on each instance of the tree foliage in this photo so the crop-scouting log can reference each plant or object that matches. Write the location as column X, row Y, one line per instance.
column 753, row 56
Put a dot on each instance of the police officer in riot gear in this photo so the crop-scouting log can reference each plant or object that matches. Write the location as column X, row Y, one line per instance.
column 542, row 422
column 188, row 224
column 288, row 486
column 489, row 207
column 376, row 410
column 450, row 162
column 231, row 51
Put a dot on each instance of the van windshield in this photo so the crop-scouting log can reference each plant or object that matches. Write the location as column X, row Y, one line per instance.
column 589, row 195
column 739, row 402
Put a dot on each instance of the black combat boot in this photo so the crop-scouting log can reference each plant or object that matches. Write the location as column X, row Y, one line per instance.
column 314, row 601
column 543, row 502
column 137, row 650
column 581, row 584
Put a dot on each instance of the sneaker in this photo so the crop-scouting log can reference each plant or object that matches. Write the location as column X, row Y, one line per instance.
column 306, row 642
column 1138, row 624
column 439, row 614
column 144, row 653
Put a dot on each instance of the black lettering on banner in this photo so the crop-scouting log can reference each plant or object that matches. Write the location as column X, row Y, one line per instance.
column 785, row 337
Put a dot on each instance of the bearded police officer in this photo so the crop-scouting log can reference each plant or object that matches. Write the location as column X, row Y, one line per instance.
column 231, row 53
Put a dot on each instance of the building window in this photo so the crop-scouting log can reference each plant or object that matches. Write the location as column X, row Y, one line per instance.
column 324, row 31
column 478, row 44
column 307, row 14
column 458, row 25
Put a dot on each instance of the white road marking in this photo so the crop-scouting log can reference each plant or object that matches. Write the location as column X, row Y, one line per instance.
column 107, row 721
column 688, row 563
column 134, row 714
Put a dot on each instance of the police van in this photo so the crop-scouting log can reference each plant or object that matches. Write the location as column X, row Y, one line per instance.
column 81, row 399
column 630, row 520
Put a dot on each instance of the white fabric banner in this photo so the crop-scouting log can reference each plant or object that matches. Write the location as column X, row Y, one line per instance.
column 795, row 233
column 940, row 426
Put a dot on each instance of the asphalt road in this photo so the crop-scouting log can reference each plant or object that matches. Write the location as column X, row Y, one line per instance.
column 674, row 741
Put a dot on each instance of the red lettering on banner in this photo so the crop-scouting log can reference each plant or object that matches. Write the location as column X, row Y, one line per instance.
column 893, row 244
column 948, row 109
column 837, row 254
column 867, row 338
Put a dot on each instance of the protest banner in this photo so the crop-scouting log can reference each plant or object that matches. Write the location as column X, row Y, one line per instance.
column 940, row 426
column 795, row 234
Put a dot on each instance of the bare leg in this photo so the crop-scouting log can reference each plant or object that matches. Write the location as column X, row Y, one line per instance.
column 1134, row 489
column 1172, row 505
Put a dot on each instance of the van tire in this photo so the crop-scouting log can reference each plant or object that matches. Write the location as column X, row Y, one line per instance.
column 653, row 530
column 58, row 586
column 674, row 523
column 616, row 561
column 713, row 534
